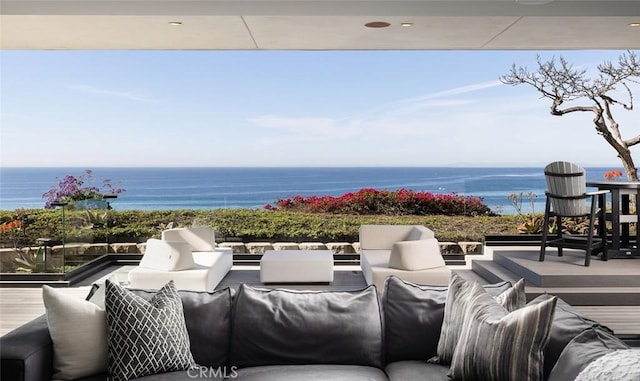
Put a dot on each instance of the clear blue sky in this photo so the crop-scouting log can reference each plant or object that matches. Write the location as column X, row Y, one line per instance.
column 288, row 108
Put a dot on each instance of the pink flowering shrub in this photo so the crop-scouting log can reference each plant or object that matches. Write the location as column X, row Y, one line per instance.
column 399, row 202
column 72, row 188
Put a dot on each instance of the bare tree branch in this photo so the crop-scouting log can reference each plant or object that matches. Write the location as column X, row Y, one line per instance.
column 560, row 82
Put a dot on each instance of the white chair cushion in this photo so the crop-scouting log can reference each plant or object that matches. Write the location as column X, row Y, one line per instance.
column 167, row 255
column 416, row 255
column 200, row 238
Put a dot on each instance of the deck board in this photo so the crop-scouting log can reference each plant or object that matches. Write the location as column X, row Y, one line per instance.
column 20, row 305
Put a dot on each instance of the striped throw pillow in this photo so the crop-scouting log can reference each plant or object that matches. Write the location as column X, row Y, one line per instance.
column 497, row 345
column 455, row 310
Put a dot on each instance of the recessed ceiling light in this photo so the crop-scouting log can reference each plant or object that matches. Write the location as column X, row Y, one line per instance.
column 534, row 2
column 635, row 24
column 407, row 24
column 175, row 23
column 377, row 24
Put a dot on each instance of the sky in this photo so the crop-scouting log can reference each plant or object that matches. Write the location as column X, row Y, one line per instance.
column 289, row 108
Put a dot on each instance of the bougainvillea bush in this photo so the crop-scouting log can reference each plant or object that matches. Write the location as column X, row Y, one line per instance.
column 398, row 203
column 71, row 188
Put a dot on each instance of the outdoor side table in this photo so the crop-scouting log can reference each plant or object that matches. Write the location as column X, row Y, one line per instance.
column 296, row 266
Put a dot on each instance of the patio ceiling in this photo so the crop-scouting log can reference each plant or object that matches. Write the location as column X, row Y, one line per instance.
column 318, row 24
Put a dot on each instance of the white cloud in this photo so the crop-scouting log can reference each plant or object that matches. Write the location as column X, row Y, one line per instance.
column 112, row 93
column 306, row 129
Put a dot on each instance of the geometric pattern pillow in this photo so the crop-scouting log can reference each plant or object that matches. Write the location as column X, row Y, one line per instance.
column 456, row 308
column 498, row 345
column 145, row 337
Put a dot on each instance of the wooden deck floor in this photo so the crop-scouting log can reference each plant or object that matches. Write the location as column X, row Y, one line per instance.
column 20, row 305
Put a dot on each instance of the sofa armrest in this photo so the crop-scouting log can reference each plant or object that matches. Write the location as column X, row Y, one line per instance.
column 26, row 353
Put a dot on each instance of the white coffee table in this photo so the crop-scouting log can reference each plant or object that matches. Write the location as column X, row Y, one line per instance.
column 296, row 266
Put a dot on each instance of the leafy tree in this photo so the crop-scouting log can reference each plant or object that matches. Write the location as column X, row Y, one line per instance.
column 560, row 82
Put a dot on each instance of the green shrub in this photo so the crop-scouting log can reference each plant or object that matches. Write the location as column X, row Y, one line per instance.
column 245, row 225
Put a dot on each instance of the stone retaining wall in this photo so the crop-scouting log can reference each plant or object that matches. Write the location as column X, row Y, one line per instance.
column 77, row 250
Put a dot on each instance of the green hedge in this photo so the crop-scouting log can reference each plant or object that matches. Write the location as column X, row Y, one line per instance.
column 235, row 224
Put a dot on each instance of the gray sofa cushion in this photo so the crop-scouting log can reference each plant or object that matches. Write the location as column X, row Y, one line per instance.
column 567, row 324
column 588, row 346
column 208, row 319
column 187, row 375
column 311, row 372
column 413, row 317
column 288, row 327
column 417, row 371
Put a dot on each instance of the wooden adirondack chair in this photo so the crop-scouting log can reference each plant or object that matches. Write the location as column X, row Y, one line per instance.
column 567, row 197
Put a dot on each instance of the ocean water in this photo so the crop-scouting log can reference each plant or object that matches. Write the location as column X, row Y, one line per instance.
column 212, row 188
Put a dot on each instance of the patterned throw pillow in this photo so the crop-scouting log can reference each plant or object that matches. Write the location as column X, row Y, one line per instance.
column 456, row 308
column 497, row 345
column 145, row 337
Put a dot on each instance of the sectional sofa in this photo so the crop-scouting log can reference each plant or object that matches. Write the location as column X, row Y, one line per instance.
column 276, row 334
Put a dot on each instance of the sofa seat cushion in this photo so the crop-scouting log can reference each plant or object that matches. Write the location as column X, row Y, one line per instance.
column 375, row 269
column 291, row 327
column 414, row 370
column 416, row 255
column 311, row 372
column 167, row 255
column 183, row 375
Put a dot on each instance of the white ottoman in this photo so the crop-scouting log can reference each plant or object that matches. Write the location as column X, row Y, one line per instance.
column 296, row 266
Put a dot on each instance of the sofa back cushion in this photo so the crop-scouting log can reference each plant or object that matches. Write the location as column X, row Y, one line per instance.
column 200, row 238
column 585, row 348
column 416, row 255
column 208, row 319
column 167, row 255
column 413, row 316
column 567, row 324
column 289, row 327
column 419, row 232
column 382, row 237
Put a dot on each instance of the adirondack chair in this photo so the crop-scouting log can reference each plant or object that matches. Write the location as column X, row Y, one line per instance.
column 567, row 197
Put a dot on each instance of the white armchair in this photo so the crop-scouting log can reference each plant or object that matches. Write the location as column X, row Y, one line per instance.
column 188, row 256
column 410, row 252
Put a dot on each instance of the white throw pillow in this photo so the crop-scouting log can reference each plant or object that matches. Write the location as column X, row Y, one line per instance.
column 620, row 365
column 78, row 330
column 416, row 255
column 167, row 255
column 200, row 238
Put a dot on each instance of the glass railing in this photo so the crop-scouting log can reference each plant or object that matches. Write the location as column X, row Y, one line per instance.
column 76, row 234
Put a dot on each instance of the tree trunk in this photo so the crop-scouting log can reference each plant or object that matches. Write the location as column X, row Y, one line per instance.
column 629, row 166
